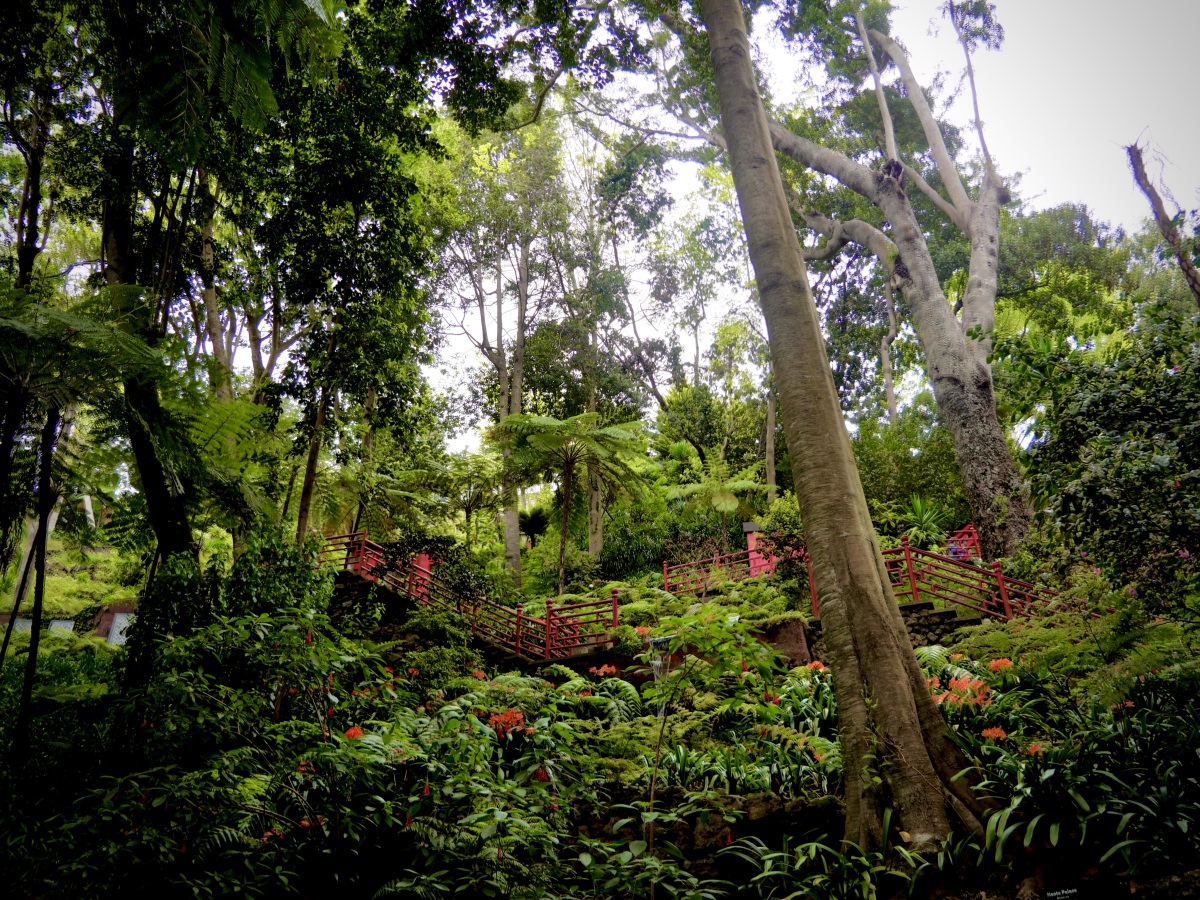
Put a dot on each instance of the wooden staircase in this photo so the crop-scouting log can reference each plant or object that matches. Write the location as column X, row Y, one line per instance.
column 917, row 576
column 565, row 631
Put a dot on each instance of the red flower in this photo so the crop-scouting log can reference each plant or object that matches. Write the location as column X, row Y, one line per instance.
column 817, row 666
column 414, row 671
column 541, row 775
column 388, row 669
column 642, row 630
column 994, row 733
column 354, row 732
column 997, row 665
column 308, row 638
column 479, row 674
column 508, row 721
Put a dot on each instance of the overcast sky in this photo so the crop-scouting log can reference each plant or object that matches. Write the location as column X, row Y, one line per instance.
column 1074, row 82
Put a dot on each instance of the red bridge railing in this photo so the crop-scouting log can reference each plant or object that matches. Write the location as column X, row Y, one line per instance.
column 915, row 575
column 566, row 630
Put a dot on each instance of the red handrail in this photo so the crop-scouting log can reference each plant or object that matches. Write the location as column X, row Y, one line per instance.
column 570, row 630
column 915, row 575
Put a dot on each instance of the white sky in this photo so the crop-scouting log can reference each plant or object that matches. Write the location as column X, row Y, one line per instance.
column 1074, row 82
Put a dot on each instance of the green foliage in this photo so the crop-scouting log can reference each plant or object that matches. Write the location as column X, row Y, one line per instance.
column 1114, row 460
column 913, row 455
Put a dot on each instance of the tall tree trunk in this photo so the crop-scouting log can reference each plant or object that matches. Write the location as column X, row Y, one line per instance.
column 14, row 408
column 568, row 479
column 166, row 499
column 46, row 502
column 885, row 358
column 310, row 466
column 595, row 497
column 221, row 367
column 890, row 726
column 30, row 207
column 368, row 446
column 955, row 352
column 1165, row 224
column 959, row 370
column 770, row 443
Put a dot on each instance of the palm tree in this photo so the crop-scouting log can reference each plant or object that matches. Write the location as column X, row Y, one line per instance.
column 53, row 360
column 566, row 448
column 533, row 523
column 473, row 487
column 718, row 490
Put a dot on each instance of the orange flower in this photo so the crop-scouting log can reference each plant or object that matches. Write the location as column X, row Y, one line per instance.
column 817, row 666
column 354, row 732
column 1034, row 750
column 642, row 630
column 479, row 674
column 994, row 733
column 997, row 665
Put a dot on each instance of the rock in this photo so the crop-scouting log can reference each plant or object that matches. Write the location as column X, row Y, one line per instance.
column 759, row 806
column 1172, row 887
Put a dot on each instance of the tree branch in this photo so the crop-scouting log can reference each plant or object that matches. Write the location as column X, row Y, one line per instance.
column 933, row 134
column 971, row 80
column 1165, row 225
column 938, row 200
column 836, row 165
column 889, row 131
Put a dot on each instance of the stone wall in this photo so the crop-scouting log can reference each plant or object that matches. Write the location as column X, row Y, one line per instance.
column 926, row 626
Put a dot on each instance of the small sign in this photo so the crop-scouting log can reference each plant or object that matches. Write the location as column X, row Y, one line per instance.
column 120, row 624
column 1062, row 893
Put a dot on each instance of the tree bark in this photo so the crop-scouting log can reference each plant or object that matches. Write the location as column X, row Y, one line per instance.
column 1167, row 227
column 166, row 497
column 889, row 724
column 222, row 364
column 310, row 466
column 46, row 502
column 568, row 479
column 885, row 358
column 595, row 498
column 29, row 209
column 770, row 444
column 960, row 374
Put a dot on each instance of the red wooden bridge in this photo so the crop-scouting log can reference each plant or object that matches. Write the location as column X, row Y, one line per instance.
column 567, row 630
column 915, row 574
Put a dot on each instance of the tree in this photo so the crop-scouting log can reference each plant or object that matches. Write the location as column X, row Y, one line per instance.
column 846, row 35
column 1115, row 456
column 534, row 524
column 501, row 263
column 568, row 449
column 891, row 729
column 474, row 487
column 718, row 490
column 1166, row 224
